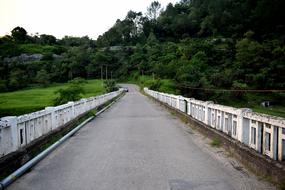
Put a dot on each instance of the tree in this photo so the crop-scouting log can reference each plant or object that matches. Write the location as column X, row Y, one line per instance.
column 5, row 39
column 239, row 86
column 72, row 93
column 19, row 34
column 3, row 85
column 42, row 77
column 17, row 79
column 135, row 23
column 47, row 39
column 153, row 10
column 110, row 85
column 249, row 58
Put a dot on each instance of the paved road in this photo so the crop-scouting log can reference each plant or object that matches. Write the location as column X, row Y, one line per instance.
column 136, row 145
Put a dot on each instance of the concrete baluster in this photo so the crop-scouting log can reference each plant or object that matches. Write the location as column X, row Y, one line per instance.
column 53, row 119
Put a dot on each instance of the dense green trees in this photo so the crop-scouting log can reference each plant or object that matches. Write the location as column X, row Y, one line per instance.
column 43, row 77
column 208, row 45
column 198, row 44
column 61, row 60
column 19, row 34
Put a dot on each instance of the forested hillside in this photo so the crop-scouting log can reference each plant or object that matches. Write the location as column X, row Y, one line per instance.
column 207, row 46
column 204, row 48
column 211, row 44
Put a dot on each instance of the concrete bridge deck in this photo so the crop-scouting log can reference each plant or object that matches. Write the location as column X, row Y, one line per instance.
column 135, row 145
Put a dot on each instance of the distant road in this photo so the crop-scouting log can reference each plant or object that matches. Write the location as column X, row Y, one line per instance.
column 137, row 145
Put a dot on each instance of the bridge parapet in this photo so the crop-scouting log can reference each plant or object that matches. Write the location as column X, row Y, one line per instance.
column 261, row 132
column 18, row 132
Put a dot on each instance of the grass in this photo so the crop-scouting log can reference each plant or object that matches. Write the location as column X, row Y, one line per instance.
column 216, row 142
column 29, row 100
column 273, row 110
column 253, row 102
column 276, row 110
column 36, row 48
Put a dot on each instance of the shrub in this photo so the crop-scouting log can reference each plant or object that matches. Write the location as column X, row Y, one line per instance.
column 71, row 93
column 110, row 85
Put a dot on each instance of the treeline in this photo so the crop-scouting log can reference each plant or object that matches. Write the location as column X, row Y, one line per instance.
column 204, row 44
column 61, row 59
column 223, row 44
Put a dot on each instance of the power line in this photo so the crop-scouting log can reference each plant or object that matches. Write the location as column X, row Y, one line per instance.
column 233, row 90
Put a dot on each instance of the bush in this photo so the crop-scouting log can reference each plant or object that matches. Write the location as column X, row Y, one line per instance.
column 71, row 93
column 239, row 86
column 110, row 85
column 155, row 85
column 3, row 86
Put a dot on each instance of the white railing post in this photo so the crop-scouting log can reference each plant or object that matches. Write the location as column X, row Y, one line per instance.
column 53, row 120
column 11, row 127
column 14, row 132
column 242, row 129
column 281, row 143
column 72, row 114
column 207, row 112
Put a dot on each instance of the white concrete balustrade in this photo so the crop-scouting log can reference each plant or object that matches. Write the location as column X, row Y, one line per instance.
column 18, row 131
column 263, row 133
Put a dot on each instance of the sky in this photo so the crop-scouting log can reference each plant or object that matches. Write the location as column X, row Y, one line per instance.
column 67, row 17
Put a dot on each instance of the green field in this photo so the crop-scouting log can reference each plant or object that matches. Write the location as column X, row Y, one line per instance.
column 253, row 101
column 29, row 100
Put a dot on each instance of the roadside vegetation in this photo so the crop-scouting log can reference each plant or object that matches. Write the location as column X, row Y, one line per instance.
column 216, row 142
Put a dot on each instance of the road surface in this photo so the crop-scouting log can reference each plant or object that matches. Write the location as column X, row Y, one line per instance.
column 137, row 145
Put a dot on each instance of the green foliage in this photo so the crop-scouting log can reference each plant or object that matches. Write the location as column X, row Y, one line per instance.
column 37, row 48
column 3, row 86
column 153, row 10
column 9, row 49
column 47, row 39
column 216, row 142
column 110, row 85
column 155, row 85
column 18, row 78
column 34, row 99
column 77, row 41
column 19, row 34
column 73, row 92
column 197, row 44
column 43, row 78
column 162, row 85
column 239, row 86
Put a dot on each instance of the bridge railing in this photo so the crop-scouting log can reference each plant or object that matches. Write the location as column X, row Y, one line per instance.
column 19, row 131
column 263, row 133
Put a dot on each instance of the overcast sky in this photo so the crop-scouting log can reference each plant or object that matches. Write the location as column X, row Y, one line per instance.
column 67, row 17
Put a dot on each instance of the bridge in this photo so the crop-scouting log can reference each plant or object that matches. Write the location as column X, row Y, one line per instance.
column 138, row 144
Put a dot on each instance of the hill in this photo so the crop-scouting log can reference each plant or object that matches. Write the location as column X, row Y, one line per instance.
column 231, row 52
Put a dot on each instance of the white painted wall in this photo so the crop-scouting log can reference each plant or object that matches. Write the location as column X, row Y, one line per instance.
column 236, row 123
column 17, row 132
